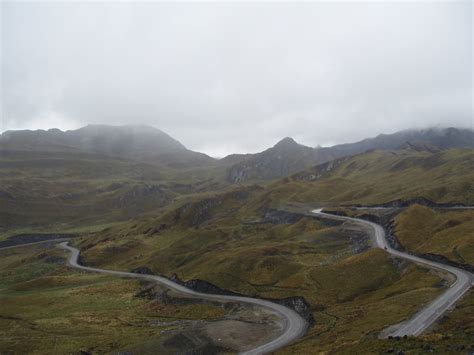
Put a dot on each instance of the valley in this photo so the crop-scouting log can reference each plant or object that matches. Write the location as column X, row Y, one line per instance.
column 198, row 225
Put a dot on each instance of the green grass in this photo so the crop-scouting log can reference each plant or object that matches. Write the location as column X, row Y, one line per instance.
column 206, row 234
column 47, row 308
column 378, row 177
column 353, row 296
column 423, row 230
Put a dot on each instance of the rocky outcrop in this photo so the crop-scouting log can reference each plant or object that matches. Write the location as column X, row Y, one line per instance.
column 194, row 214
column 281, row 217
column 444, row 260
column 388, row 223
column 296, row 303
column 406, row 203
column 202, row 286
column 392, row 239
column 142, row 270
column 299, row 305
column 275, row 216
column 283, row 159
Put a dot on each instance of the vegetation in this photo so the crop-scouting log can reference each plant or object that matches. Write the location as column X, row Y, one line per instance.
column 450, row 233
column 62, row 311
column 382, row 176
column 190, row 222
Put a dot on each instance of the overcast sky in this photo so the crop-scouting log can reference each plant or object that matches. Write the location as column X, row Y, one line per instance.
column 230, row 77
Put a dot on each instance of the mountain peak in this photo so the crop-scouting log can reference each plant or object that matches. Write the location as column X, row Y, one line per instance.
column 286, row 142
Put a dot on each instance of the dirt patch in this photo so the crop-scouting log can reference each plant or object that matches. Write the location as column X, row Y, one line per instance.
column 239, row 334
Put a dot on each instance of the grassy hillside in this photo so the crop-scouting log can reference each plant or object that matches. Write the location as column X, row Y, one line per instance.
column 236, row 239
column 60, row 311
column 354, row 292
column 450, row 233
column 47, row 308
column 59, row 190
column 381, row 176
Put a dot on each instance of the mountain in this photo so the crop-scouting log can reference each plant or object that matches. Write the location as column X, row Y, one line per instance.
column 143, row 143
column 380, row 177
column 288, row 157
column 95, row 173
column 282, row 159
column 434, row 137
column 245, row 240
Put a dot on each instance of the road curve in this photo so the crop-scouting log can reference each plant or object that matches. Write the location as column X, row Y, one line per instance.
column 293, row 325
column 433, row 311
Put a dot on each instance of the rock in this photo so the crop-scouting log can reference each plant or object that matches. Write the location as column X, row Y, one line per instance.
column 281, row 217
column 444, row 260
column 195, row 214
column 203, row 286
column 296, row 303
column 299, row 305
column 417, row 200
column 142, row 270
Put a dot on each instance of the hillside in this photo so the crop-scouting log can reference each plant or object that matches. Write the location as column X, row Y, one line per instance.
column 353, row 291
column 50, row 190
column 242, row 240
column 94, row 175
column 288, row 157
column 282, row 159
column 142, row 143
column 379, row 177
column 422, row 230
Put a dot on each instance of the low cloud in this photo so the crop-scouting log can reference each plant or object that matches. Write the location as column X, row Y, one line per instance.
column 230, row 77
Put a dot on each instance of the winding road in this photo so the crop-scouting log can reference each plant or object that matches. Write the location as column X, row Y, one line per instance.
column 433, row 311
column 293, row 325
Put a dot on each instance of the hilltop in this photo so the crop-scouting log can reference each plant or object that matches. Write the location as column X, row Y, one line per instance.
column 288, row 157
column 144, row 143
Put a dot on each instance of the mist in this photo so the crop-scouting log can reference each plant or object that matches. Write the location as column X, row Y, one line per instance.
column 237, row 77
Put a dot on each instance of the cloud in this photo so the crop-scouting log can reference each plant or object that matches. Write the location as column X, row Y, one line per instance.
column 237, row 77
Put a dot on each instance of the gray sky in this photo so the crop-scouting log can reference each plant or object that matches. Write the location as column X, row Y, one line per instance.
column 237, row 77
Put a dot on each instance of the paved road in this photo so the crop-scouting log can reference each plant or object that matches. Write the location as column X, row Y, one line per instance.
column 432, row 312
column 34, row 243
column 293, row 325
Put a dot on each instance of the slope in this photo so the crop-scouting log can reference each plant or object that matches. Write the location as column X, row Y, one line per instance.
column 381, row 176
column 288, row 157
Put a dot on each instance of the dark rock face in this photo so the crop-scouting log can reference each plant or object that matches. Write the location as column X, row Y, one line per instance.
column 388, row 223
column 288, row 157
column 283, row 159
column 393, row 241
column 274, row 216
column 444, row 260
column 142, row 270
column 197, row 213
column 417, row 200
column 299, row 305
column 281, row 217
column 296, row 303
column 203, row 286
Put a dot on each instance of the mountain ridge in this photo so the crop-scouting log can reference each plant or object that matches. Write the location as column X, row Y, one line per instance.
column 137, row 142
column 288, row 157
